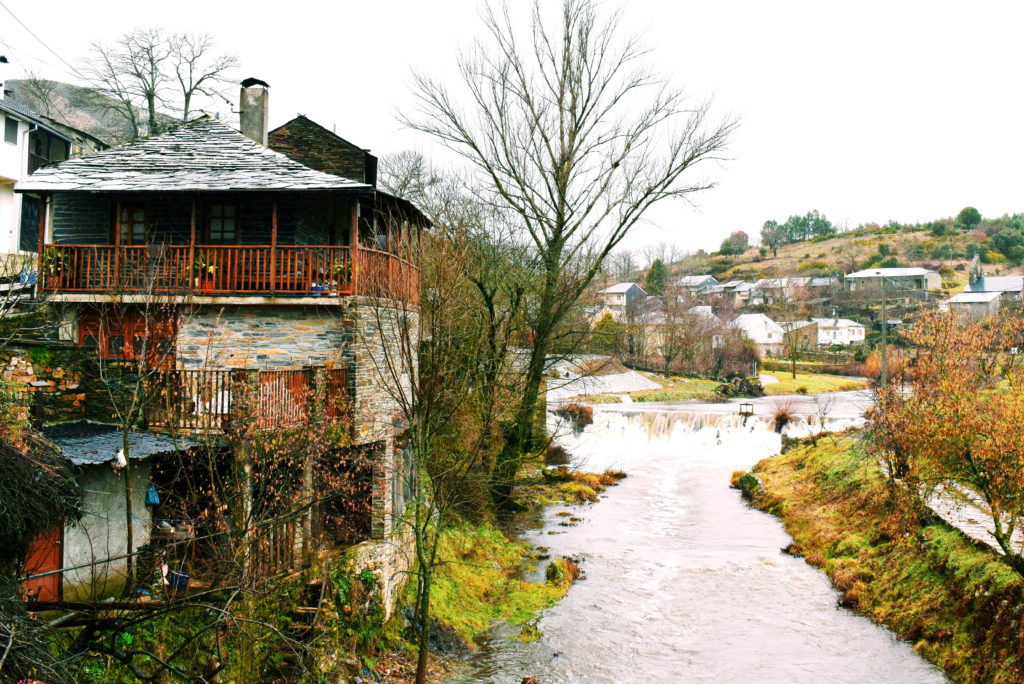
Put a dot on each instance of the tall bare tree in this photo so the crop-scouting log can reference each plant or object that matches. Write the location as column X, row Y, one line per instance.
column 147, row 70
column 576, row 136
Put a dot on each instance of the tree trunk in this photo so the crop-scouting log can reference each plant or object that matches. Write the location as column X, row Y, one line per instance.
column 423, row 619
column 129, row 522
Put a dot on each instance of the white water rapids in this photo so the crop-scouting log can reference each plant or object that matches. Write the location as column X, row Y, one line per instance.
column 684, row 582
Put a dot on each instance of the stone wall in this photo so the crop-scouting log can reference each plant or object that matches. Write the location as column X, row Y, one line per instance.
column 49, row 374
column 390, row 561
column 263, row 337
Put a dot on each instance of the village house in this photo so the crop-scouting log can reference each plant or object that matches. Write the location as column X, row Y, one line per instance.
column 249, row 285
column 769, row 291
column 733, row 294
column 799, row 335
column 761, row 330
column 841, row 332
column 696, row 285
column 616, row 298
column 31, row 141
column 985, row 295
column 894, row 279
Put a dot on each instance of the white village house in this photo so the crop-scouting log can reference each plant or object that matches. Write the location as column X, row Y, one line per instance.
column 841, row 332
column 761, row 330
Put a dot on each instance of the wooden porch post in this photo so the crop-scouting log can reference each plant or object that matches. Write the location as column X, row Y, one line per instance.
column 44, row 205
column 273, row 247
column 117, row 241
column 190, row 268
column 354, row 255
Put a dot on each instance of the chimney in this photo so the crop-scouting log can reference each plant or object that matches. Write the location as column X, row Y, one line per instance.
column 253, row 112
column 3, row 74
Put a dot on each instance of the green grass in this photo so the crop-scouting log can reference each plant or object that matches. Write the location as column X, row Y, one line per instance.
column 480, row 582
column 954, row 599
column 812, row 383
column 677, row 389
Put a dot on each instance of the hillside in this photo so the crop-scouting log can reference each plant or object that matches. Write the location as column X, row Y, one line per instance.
column 75, row 106
column 848, row 252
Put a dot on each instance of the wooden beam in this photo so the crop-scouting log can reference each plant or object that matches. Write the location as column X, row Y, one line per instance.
column 43, row 204
column 190, row 267
column 354, row 252
column 273, row 246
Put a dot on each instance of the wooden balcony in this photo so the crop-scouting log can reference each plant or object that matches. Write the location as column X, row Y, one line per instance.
column 222, row 400
column 210, row 270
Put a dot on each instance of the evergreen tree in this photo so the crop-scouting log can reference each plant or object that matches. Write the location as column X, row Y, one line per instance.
column 657, row 278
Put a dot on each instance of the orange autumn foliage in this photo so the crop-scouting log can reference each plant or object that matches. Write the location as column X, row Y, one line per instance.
column 957, row 421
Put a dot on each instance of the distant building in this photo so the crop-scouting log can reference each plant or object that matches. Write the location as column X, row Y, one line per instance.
column 975, row 304
column 697, row 285
column 733, row 293
column 840, row 332
column 761, row 330
column 799, row 334
column 771, row 290
column 894, row 278
column 620, row 295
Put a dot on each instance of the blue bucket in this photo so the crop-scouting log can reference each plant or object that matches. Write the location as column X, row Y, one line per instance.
column 179, row 581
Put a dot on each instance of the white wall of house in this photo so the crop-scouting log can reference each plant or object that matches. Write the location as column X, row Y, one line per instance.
column 13, row 164
column 103, row 532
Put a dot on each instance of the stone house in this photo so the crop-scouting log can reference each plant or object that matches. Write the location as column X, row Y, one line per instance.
column 238, row 278
column 894, row 279
column 799, row 335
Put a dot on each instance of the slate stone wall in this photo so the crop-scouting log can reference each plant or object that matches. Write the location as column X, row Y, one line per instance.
column 314, row 146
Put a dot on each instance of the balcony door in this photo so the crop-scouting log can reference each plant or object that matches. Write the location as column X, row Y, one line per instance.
column 133, row 226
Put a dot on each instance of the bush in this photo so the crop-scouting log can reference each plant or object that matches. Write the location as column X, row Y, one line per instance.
column 740, row 387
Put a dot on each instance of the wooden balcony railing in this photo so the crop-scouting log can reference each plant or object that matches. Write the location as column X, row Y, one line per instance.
column 219, row 400
column 228, row 270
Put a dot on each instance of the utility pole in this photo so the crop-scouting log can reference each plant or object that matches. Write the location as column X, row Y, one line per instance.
column 884, row 375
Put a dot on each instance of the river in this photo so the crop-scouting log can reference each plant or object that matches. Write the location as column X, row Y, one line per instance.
column 683, row 581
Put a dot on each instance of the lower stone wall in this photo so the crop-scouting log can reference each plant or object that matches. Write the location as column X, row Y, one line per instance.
column 263, row 337
column 390, row 560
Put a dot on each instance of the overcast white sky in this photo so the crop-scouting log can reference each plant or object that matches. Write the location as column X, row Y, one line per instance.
column 866, row 111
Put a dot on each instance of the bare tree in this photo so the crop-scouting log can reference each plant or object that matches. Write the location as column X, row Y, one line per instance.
column 196, row 71
column 576, row 136
column 147, row 70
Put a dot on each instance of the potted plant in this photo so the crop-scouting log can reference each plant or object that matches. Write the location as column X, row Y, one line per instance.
column 205, row 270
column 55, row 262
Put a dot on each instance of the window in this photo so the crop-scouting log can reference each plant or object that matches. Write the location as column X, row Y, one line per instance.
column 10, row 131
column 125, row 337
column 222, row 224
column 133, row 226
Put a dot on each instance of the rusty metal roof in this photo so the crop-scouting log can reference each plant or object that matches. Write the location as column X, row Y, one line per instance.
column 202, row 155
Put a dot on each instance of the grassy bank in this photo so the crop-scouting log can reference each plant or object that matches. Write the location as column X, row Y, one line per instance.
column 953, row 598
column 810, row 383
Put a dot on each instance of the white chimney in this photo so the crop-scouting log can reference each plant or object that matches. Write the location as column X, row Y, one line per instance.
column 253, row 110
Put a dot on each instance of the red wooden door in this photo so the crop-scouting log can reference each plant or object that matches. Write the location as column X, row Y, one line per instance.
column 45, row 554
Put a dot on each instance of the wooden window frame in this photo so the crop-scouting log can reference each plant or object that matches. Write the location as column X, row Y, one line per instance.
column 127, row 237
column 207, row 238
column 129, row 327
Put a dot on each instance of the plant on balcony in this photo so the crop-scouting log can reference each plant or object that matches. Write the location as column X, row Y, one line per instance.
column 55, row 262
column 205, row 269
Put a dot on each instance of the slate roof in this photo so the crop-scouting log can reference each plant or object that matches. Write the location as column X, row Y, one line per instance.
column 697, row 281
column 837, row 323
column 85, row 443
column 889, row 272
column 974, row 297
column 620, row 288
column 997, row 284
column 202, row 155
column 11, row 106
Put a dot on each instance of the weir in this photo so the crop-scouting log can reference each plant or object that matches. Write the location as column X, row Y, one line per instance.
column 684, row 582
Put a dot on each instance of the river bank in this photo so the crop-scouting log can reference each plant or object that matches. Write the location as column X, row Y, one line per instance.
column 950, row 596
